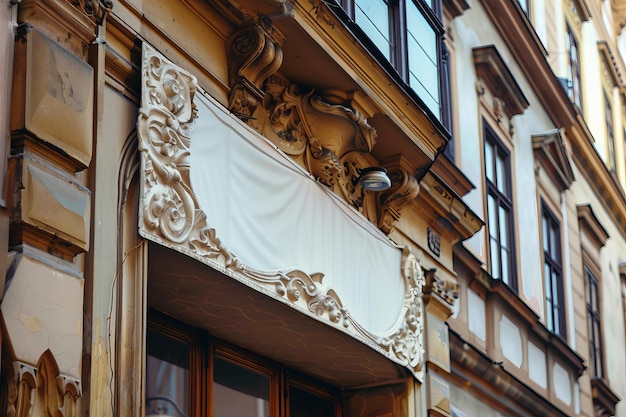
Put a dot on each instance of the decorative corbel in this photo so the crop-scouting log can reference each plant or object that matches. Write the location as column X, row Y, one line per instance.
column 404, row 188
column 448, row 291
column 321, row 133
column 254, row 54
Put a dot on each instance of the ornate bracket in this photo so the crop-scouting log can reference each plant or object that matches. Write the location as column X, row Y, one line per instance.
column 254, row 53
column 318, row 130
column 404, row 189
column 170, row 215
column 448, row 291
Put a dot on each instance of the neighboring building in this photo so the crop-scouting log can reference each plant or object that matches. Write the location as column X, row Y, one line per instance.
column 198, row 222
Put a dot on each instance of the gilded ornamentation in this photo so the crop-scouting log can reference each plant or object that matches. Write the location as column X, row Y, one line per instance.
column 317, row 133
column 447, row 290
column 254, row 54
column 170, row 214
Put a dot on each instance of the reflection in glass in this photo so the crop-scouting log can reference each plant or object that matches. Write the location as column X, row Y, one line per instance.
column 373, row 17
column 239, row 391
column 167, row 375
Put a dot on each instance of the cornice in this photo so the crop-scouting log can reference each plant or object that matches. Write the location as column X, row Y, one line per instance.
column 604, row 399
column 611, row 63
column 495, row 74
column 455, row 216
column 527, row 50
column 452, row 175
column 455, row 8
column 549, row 149
column 590, row 224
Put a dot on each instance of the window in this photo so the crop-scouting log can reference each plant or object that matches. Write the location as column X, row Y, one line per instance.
column 593, row 325
column 573, row 71
column 499, row 210
column 555, row 306
column 524, row 4
column 610, row 136
column 409, row 34
column 189, row 373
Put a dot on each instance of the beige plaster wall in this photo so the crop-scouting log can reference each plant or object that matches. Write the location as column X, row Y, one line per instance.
column 43, row 309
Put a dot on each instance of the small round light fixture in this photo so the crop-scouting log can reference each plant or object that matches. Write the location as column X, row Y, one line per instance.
column 374, row 179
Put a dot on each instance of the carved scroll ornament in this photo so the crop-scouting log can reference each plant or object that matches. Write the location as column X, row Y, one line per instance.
column 315, row 132
column 170, row 215
column 254, row 53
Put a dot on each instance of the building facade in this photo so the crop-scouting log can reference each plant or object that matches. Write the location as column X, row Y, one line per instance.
column 303, row 207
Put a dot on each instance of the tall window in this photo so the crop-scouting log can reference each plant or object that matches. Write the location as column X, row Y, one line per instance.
column 552, row 273
column 409, row 35
column 573, row 75
column 499, row 210
column 593, row 325
column 610, row 136
column 189, row 374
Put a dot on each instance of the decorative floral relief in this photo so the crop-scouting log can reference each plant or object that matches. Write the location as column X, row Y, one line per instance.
column 169, row 214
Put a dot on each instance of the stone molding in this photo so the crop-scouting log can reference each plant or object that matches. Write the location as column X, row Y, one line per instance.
column 170, row 216
column 43, row 388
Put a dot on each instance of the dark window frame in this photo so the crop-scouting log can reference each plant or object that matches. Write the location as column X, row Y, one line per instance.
column 432, row 11
column 204, row 348
column 503, row 199
column 553, row 272
column 594, row 324
column 574, row 75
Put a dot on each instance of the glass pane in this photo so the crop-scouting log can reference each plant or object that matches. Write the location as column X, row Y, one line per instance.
column 495, row 258
column 423, row 58
column 544, row 232
column 503, row 217
column 421, row 31
column 238, row 391
column 306, row 404
column 167, row 375
column 373, row 17
column 505, row 266
column 492, row 217
column 489, row 162
column 594, row 297
column 501, row 173
column 554, row 240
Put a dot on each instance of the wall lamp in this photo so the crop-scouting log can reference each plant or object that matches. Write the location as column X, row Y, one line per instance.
column 373, row 179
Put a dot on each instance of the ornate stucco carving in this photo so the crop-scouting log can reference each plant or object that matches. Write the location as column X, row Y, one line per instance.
column 320, row 130
column 254, row 53
column 447, row 290
column 317, row 131
column 404, row 188
column 170, row 215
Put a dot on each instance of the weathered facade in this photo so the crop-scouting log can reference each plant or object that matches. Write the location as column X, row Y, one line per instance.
column 301, row 207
